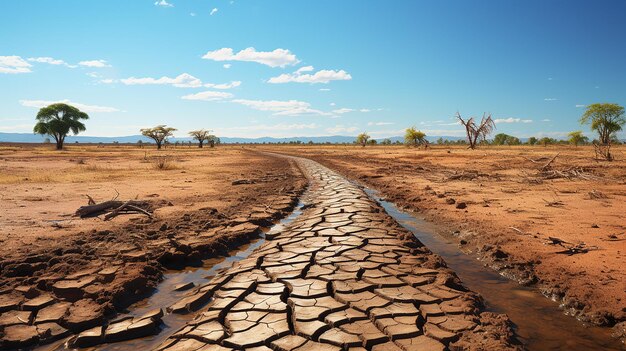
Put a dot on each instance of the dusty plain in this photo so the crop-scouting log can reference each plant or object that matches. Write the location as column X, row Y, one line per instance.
column 61, row 274
column 501, row 204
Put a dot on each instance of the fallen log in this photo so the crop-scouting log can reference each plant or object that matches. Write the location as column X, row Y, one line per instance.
column 107, row 206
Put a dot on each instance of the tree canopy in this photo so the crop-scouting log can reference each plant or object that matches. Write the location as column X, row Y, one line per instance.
column 576, row 137
column 159, row 134
column 362, row 138
column 200, row 135
column 57, row 120
column 414, row 137
column 606, row 119
column 505, row 139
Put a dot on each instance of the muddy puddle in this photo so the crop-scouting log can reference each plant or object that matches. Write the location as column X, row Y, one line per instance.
column 165, row 294
column 540, row 324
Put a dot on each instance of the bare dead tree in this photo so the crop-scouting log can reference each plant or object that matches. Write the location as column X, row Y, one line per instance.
column 477, row 133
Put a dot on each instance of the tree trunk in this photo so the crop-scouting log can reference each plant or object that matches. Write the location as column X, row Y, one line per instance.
column 59, row 139
column 158, row 145
column 200, row 143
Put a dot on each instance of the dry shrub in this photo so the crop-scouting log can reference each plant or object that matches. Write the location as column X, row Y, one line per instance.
column 164, row 163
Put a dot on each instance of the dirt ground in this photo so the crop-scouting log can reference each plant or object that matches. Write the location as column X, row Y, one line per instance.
column 75, row 272
column 499, row 204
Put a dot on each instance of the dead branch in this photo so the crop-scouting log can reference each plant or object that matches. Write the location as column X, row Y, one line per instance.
column 549, row 162
column 555, row 203
column 109, row 206
column 116, row 211
column 517, row 230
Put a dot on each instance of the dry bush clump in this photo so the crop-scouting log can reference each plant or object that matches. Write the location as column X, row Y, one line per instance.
column 164, row 163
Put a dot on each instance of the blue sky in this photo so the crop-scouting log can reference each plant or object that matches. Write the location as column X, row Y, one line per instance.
column 310, row 68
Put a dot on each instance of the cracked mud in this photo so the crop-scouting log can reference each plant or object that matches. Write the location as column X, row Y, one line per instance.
column 343, row 275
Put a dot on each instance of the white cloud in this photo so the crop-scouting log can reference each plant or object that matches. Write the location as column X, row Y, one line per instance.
column 51, row 61
column 282, row 108
column 13, row 65
column 214, row 11
column 184, row 80
column 208, row 96
column 276, row 58
column 324, row 76
column 230, row 85
column 227, row 65
column 580, row 105
column 341, row 129
column 512, row 120
column 108, row 81
column 163, row 3
column 82, row 107
column 332, row 104
column 273, row 105
column 343, row 110
column 379, row 123
column 324, row 89
column 305, row 69
column 94, row 63
column 193, row 14
column 545, row 120
column 550, row 99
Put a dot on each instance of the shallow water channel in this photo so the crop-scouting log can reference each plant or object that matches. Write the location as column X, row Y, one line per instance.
column 540, row 324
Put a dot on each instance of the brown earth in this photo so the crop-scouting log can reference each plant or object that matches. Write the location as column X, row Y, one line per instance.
column 60, row 273
column 498, row 204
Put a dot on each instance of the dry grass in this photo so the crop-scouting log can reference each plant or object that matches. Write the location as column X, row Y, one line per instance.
column 164, row 163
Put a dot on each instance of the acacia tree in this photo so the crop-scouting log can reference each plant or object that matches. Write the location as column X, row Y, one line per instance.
column 362, row 139
column 414, row 137
column 576, row 137
column 213, row 140
column 59, row 119
column 477, row 133
column 606, row 119
column 159, row 134
column 200, row 135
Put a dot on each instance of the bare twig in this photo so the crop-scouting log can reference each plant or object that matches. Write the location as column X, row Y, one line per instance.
column 116, row 211
column 518, row 231
column 549, row 162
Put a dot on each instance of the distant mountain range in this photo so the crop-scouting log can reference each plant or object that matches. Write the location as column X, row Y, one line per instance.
column 35, row 138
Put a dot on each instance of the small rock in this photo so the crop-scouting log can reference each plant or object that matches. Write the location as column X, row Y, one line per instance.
column 461, row 205
column 594, row 226
column 450, row 201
